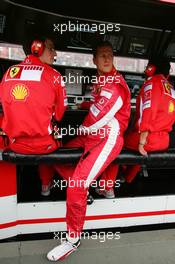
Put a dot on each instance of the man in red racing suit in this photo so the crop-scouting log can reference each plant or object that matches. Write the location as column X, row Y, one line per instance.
column 101, row 136
column 107, row 179
column 32, row 95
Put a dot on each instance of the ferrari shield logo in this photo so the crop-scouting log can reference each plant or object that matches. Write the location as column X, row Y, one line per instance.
column 167, row 87
column 14, row 71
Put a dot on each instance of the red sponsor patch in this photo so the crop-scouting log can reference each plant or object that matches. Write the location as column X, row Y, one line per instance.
column 102, row 102
column 147, row 96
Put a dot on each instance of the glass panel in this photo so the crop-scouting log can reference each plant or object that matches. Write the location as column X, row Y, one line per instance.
column 80, row 60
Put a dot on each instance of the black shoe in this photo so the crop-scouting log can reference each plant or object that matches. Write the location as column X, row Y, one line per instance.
column 90, row 199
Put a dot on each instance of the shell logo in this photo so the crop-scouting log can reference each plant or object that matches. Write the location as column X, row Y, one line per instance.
column 20, row 92
column 171, row 107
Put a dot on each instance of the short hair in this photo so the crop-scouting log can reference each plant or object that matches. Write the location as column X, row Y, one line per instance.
column 100, row 44
column 162, row 65
column 28, row 42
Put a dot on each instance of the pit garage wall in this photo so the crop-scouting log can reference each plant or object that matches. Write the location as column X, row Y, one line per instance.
column 103, row 213
column 8, row 200
column 39, row 217
column 8, row 196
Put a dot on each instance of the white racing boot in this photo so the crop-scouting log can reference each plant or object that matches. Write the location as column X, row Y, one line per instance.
column 63, row 250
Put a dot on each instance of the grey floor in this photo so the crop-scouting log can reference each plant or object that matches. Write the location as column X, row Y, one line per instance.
column 151, row 247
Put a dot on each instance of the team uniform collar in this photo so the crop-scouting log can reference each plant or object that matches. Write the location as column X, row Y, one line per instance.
column 31, row 59
column 103, row 79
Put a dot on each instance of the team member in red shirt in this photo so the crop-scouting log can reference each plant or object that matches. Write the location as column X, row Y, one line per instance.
column 155, row 113
column 102, row 140
column 154, row 117
column 32, row 95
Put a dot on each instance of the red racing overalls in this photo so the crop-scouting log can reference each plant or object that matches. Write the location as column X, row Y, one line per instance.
column 103, row 140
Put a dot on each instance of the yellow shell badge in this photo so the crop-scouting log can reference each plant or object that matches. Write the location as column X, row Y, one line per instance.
column 14, row 71
column 171, row 107
column 20, row 92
